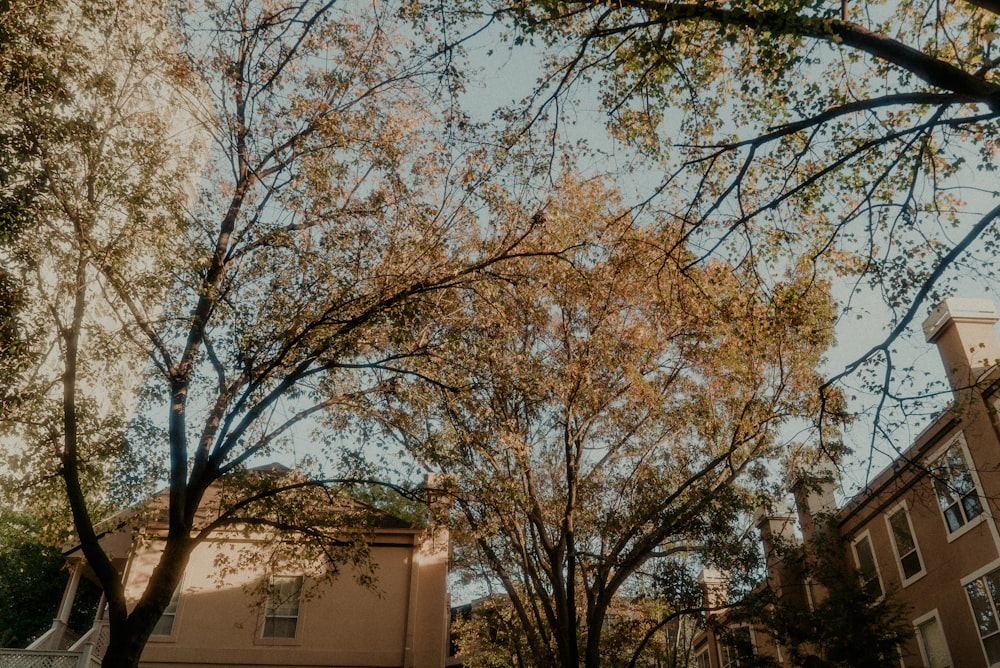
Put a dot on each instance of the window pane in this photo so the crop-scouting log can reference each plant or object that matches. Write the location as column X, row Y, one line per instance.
column 727, row 656
column 281, row 610
column 935, row 646
column 906, row 546
column 992, row 645
column 993, row 585
column 911, row 564
column 945, row 495
column 278, row 627
column 955, row 488
column 901, row 532
column 866, row 564
column 971, row 505
column 172, row 605
column 954, row 518
column 740, row 639
column 286, row 606
column 981, row 608
column 866, row 560
column 735, row 646
column 961, row 479
column 165, row 624
column 283, row 599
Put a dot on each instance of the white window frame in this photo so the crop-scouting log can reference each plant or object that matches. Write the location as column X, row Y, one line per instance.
column 174, row 613
column 866, row 536
column 721, row 646
column 268, row 614
column 993, row 406
column 702, row 655
column 920, row 621
column 903, row 507
column 979, row 574
column 959, row 442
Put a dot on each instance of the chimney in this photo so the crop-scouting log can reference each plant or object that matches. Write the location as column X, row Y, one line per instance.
column 439, row 489
column 715, row 587
column 965, row 337
column 777, row 535
column 813, row 490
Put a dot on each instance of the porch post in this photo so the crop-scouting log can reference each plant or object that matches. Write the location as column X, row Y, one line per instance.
column 86, row 656
column 69, row 595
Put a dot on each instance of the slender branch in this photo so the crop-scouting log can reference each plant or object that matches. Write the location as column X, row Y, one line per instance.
column 936, row 72
column 918, row 299
column 230, row 516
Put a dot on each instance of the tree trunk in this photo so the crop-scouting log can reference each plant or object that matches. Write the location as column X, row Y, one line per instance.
column 595, row 626
column 130, row 633
column 126, row 647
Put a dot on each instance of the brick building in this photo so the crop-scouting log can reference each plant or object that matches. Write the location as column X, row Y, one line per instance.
column 924, row 530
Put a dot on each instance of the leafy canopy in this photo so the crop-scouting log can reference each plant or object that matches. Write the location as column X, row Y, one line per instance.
column 860, row 135
column 605, row 412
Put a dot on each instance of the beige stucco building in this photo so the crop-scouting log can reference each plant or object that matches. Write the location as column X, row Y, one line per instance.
column 924, row 530
column 251, row 615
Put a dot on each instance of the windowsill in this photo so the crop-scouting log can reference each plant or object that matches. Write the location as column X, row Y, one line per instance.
column 284, row 642
column 965, row 528
column 919, row 576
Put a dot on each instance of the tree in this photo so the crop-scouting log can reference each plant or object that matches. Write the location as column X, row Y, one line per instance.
column 849, row 624
column 863, row 134
column 32, row 578
column 24, row 29
column 603, row 413
column 489, row 635
column 249, row 200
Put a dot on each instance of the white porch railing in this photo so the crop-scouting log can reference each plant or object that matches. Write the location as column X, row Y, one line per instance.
column 59, row 637
column 94, row 641
column 41, row 658
column 61, row 646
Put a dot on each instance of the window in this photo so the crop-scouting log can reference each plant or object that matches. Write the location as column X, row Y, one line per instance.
column 165, row 624
column 984, row 594
column 281, row 611
column 867, row 565
column 933, row 646
column 701, row 661
column 956, row 491
column 736, row 647
column 901, row 530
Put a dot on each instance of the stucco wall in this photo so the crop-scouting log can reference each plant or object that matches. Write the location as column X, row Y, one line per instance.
column 401, row 621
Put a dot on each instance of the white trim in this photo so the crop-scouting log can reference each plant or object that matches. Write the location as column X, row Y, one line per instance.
column 923, row 619
column 703, row 653
column 904, row 508
column 282, row 640
column 810, row 599
column 720, row 640
column 866, row 535
column 170, row 637
column 965, row 528
column 968, row 525
column 987, row 513
column 69, row 594
column 972, row 612
column 980, row 572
